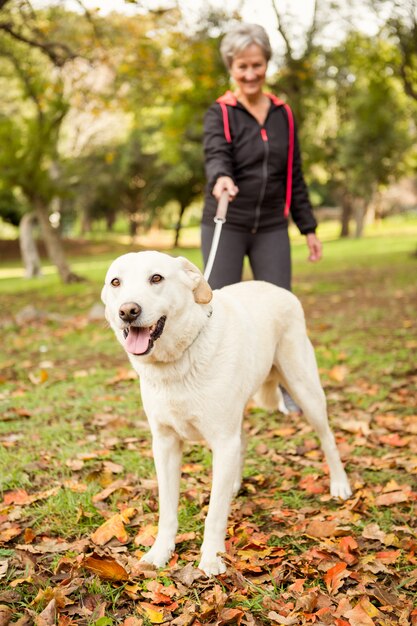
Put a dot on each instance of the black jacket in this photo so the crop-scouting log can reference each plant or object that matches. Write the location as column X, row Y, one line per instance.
column 256, row 158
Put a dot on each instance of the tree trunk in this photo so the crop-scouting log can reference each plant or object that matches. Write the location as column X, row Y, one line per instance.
column 110, row 221
column 133, row 226
column 28, row 249
column 54, row 245
column 347, row 210
column 360, row 216
column 179, row 224
column 85, row 223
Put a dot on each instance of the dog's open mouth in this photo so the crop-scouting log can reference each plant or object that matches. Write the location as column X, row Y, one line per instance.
column 140, row 339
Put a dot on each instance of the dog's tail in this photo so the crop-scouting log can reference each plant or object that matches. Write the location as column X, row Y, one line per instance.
column 269, row 395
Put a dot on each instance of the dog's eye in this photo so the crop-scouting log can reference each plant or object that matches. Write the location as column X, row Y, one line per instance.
column 115, row 282
column 156, row 278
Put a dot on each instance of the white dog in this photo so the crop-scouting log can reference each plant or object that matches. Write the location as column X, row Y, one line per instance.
column 200, row 356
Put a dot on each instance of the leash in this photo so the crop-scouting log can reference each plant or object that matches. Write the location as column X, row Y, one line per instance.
column 219, row 220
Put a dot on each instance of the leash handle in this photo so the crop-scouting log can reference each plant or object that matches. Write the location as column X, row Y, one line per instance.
column 222, row 207
column 219, row 221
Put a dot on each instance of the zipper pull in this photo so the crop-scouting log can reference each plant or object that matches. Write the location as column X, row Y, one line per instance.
column 264, row 134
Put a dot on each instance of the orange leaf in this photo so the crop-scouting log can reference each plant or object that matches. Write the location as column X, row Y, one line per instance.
column 298, row 586
column 113, row 527
column 230, row 616
column 310, row 484
column 362, row 614
column 394, row 440
column 29, row 535
column 7, row 534
column 347, row 545
column 389, row 556
column 334, row 577
column 19, row 496
column 106, row 568
column 319, row 528
column 146, row 536
column 133, row 621
column 394, row 497
column 338, row 373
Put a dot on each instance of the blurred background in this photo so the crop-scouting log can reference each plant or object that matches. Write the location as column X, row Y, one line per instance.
column 102, row 105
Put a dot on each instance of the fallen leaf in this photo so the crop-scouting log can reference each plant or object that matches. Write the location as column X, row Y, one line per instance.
column 338, row 373
column 39, row 378
column 373, row 531
column 389, row 556
column 393, row 497
column 188, row 575
column 154, row 613
column 334, row 577
column 19, row 496
column 281, row 619
column 394, row 440
column 146, row 536
column 6, row 614
column 7, row 534
column 310, row 484
column 362, row 613
column 75, row 464
column 230, row 616
column 105, row 567
column 113, row 527
column 48, row 615
column 132, row 621
column 320, row 529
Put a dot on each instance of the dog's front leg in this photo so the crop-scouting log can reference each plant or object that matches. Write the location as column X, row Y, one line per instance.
column 167, row 450
column 226, row 461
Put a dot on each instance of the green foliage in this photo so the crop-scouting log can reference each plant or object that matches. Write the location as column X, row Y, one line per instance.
column 106, row 113
column 374, row 140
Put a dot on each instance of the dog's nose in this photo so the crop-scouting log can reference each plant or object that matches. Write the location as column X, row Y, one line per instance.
column 129, row 311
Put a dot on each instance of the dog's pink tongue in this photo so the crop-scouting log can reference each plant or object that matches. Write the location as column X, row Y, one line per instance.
column 137, row 341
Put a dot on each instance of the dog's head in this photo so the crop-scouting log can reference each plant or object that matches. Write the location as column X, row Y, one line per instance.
column 146, row 293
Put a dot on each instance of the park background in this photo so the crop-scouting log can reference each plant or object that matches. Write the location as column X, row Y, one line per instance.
column 101, row 115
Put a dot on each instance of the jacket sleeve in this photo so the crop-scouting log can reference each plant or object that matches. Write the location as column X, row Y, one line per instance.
column 301, row 209
column 217, row 151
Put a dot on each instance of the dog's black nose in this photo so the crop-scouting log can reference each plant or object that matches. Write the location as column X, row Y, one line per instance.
column 129, row 311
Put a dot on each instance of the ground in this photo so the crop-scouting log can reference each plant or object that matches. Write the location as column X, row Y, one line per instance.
column 79, row 500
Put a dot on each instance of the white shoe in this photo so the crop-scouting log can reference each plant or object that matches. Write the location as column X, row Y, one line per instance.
column 290, row 405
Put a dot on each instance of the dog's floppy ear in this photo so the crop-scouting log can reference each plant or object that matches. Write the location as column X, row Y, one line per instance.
column 103, row 294
column 201, row 289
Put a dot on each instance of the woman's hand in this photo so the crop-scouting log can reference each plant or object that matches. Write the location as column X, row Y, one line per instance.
column 315, row 247
column 225, row 183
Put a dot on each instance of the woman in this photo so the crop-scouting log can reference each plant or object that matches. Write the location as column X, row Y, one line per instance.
column 251, row 151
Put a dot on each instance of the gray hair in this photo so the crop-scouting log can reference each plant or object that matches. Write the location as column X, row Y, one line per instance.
column 241, row 37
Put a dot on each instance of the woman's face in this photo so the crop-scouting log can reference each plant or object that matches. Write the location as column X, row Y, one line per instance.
column 248, row 70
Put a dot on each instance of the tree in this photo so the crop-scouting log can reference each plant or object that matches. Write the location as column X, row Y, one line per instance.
column 38, row 107
column 373, row 139
column 198, row 84
column 401, row 27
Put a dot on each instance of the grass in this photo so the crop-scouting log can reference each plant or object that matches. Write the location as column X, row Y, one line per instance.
column 72, row 426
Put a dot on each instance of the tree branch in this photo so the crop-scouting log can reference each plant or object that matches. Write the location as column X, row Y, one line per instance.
column 282, row 32
column 58, row 53
column 312, row 30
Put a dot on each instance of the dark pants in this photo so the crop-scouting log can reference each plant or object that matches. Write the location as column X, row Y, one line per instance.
column 268, row 252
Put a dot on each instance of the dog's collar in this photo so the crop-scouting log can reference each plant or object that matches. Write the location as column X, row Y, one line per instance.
column 209, row 314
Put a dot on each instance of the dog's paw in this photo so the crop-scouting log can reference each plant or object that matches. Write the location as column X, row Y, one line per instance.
column 212, row 566
column 236, row 487
column 340, row 489
column 158, row 555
